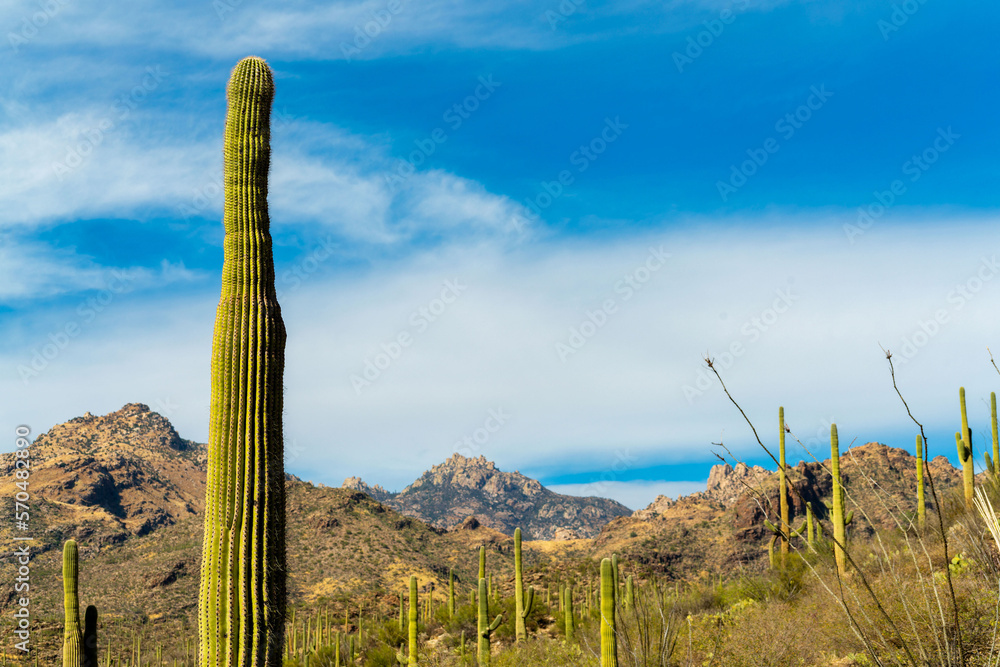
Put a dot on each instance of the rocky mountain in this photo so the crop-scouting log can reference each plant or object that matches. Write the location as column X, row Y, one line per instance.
column 722, row 528
column 450, row 492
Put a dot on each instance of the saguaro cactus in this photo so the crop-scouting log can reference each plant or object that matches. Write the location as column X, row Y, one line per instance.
column 629, row 592
column 921, row 505
column 839, row 534
column 242, row 592
column 783, row 486
column 482, row 562
column 413, row 621
column 609, row 638
column 72, row 634
column 993, row 463
column 570, row 620
column 964, row 443
column 451, row 593
column 483, row 626
column 90, row 637
column 522, row 603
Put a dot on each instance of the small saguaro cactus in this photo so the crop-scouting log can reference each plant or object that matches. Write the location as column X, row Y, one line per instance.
column 483, row 626
column 402, row 612
column 72, row 633
column 629, row 592
column 609, row 638
column 413, row 621
column 451, row 593
column 568, row 611
column 241, row 602
column 921, row 505
column 965, row 451
column 783, row 485
column 994, row 465
column 810, row 529
column 522, row 602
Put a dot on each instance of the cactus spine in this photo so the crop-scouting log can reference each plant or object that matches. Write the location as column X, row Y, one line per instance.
column 783, row 485
column 90, row 637
column 964, row 443
column 242, row 590
column 568, row 609
column 839, row 533
column 413, row 621
column 921, row 505
column 483, row 626
column 522, row 603
column 609, row 640
column 72, row 634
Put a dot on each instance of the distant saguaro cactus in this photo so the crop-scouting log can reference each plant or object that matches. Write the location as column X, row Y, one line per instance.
column 413, row 621
column 783, row 486
column 964, row 444
column 568, row 611
column 242, row 591
column 72, row 634
column 921, row 505
column 838, row 519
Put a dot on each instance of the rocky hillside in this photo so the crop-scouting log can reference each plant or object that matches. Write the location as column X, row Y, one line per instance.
column 449, row 493
column 722, row 528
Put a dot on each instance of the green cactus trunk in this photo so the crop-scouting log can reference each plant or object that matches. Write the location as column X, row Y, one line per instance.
column 965, row 452
column 995, row 468
column 568, row 610
column 413, row 621
column 402, row 612
column 483, row 626
column 838, row 502
column 72, row 633
column 482, row 562
column 629, row 592
column 451, row 593
column 522, row 602
column 609, row 638
column 921, row 505
column 242, row 592
column 783, row 487
column 90, row 637
column 810, row 529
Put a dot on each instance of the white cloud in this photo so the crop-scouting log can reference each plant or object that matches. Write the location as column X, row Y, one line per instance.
column 494, row 347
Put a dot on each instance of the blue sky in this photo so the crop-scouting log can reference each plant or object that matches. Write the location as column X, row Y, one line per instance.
column 561, row 206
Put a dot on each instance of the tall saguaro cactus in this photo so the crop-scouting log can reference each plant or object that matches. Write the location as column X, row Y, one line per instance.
column 242, row 592
column 569, row 619
column 993, row 464
column 783, row 486
column 921, row 505
column 90, row 637
column 72, row 633
column 522, row 602
column 413, row 622
column 839, row 534
column 609, row 638
column 964, row 444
